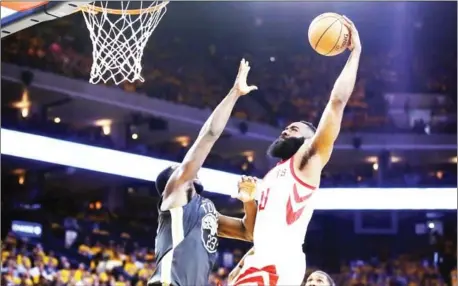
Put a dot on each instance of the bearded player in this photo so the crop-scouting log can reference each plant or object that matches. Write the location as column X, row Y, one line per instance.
column 285, row 202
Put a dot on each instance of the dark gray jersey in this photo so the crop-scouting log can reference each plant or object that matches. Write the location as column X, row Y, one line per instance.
column 186, row 244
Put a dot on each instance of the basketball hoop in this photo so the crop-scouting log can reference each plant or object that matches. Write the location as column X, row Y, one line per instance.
column 119, row 37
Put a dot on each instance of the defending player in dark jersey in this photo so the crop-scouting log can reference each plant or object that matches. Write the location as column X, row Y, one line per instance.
column 189, row 225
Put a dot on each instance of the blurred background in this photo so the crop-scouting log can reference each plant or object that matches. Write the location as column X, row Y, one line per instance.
column 68, row 226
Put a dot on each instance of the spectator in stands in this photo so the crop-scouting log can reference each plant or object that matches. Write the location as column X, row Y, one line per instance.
column 319, row 278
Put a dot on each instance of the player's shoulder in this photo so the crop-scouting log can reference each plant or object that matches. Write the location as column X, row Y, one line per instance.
column 306, row 168
column 203, row 200
column 207, row 202
column 195, row 202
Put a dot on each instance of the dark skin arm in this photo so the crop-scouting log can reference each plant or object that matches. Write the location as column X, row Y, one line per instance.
column 236, row 228
column 175, row 191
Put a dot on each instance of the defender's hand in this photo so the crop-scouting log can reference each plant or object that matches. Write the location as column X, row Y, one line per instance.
column 240, row 82
column 355, row 42
column 247, row 189
column 233, row 275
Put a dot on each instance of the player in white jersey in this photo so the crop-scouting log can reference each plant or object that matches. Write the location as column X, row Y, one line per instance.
column 285, row 201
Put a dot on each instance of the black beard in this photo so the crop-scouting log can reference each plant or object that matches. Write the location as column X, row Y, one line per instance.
column 285, row 148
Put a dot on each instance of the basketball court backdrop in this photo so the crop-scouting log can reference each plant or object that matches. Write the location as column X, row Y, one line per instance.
column 16, row 16
column 119, row 31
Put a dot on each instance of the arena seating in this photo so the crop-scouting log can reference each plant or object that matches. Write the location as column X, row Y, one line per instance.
column 296, row 85
column 189, row 72
column 123, row 264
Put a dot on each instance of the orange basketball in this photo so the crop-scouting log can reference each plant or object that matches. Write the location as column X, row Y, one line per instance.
column 328, row 35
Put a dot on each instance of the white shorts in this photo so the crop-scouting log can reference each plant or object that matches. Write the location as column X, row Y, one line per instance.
column 257, row 271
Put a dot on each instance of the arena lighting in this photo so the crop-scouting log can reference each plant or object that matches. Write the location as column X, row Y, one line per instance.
column 145, row 168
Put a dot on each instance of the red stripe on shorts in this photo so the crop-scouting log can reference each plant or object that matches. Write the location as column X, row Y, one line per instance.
column 258, row 279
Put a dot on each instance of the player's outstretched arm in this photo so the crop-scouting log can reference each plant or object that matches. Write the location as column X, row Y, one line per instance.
column 330, row 122
column 210, row 132
column 236, row 228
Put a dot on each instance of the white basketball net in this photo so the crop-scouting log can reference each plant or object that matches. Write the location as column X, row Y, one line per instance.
column 119, row 38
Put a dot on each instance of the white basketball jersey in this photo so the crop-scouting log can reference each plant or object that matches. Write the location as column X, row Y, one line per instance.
column 285, row 208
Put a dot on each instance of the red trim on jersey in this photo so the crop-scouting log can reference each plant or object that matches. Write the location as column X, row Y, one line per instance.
column 271, row 270
column 297, row 198
column 291, row 215
column 293, row 172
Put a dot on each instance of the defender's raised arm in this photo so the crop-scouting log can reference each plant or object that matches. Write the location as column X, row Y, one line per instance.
column 210, row 132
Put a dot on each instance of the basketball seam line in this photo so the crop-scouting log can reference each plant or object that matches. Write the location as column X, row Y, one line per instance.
column 316, row 45
column 316, row 21
column 337, row 41
column 331, row 16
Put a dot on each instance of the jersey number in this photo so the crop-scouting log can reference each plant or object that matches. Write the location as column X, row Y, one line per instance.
column 263, row 200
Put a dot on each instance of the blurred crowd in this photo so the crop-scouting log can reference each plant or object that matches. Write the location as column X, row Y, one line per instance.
column 28, row 264
column 197, row 69
column 119, row 264
column 87, row 246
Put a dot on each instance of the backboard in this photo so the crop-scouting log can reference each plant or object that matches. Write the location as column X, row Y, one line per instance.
column 16, row 16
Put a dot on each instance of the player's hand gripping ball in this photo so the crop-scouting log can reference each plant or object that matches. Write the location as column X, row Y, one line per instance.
column 247, row 189
column 355, row 42
column 329, row 34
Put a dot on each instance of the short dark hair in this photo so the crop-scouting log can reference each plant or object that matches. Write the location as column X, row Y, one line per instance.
column 164, row 176
column 309, row 124
column 331, row 281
